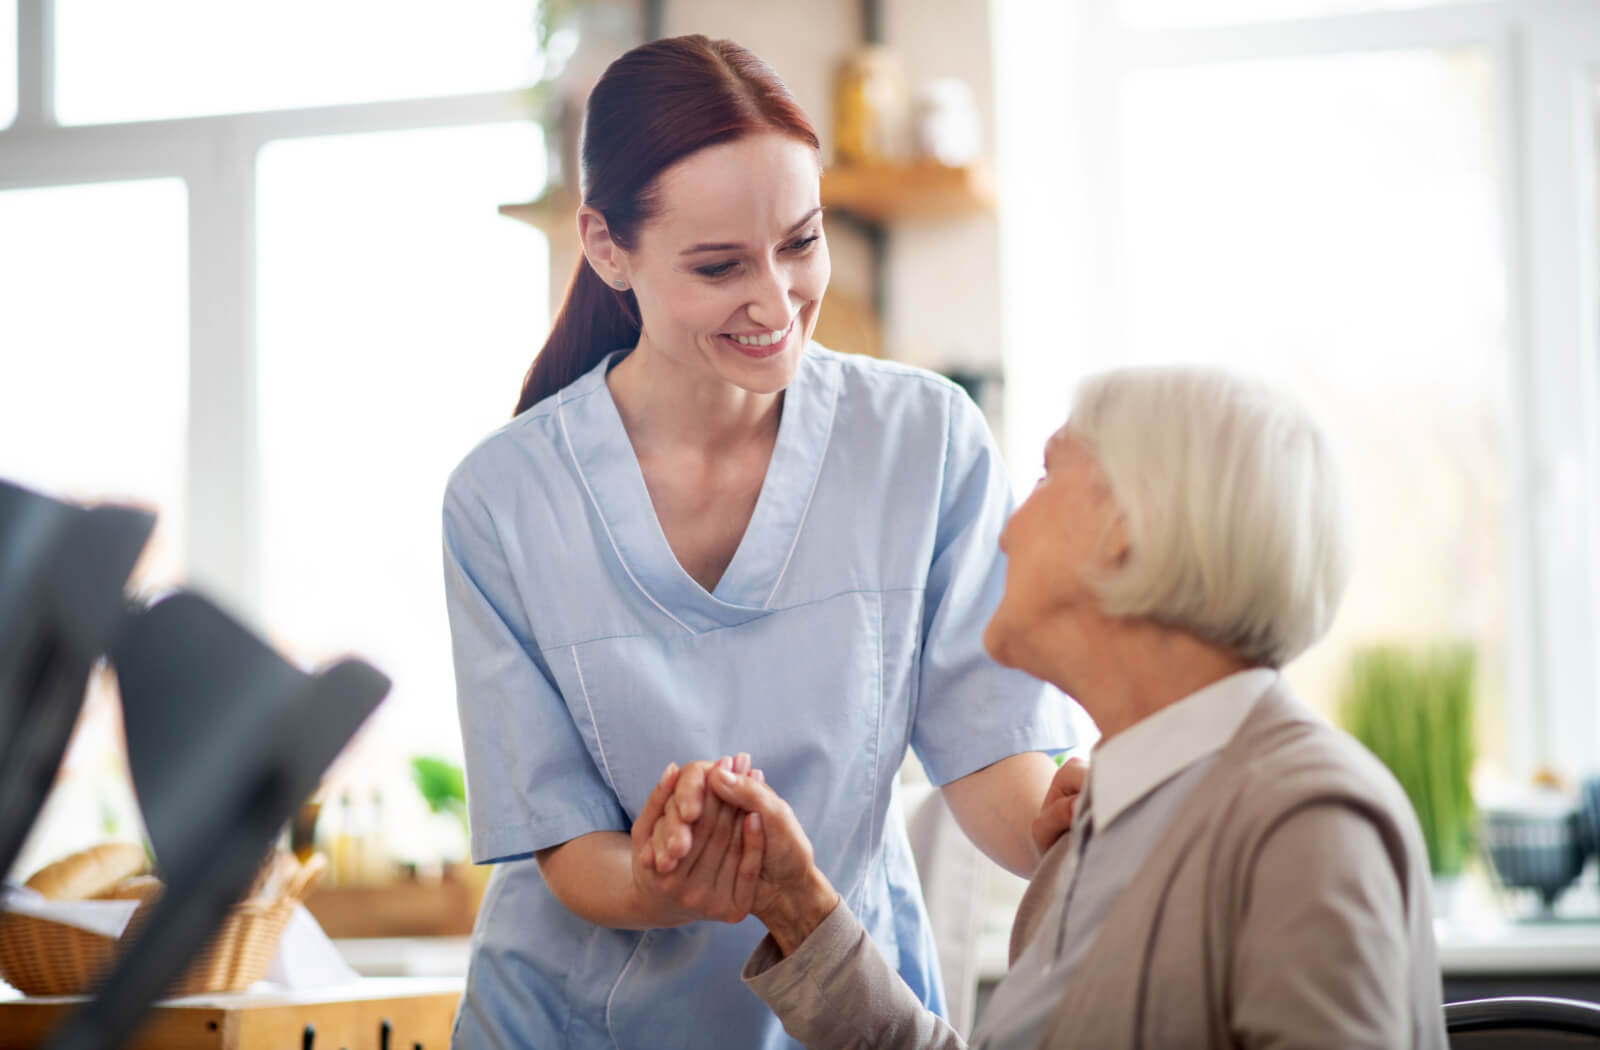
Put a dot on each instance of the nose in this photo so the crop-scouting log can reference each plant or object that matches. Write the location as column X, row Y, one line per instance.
column 769, row 298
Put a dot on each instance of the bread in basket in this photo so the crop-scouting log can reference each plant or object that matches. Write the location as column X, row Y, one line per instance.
column 41, row 957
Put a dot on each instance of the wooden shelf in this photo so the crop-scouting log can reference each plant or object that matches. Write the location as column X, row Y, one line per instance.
column 553, row 210
column 401, row 909
column 878, row 193
column 900, row 192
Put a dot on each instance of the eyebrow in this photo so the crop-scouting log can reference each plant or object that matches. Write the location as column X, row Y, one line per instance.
column 732, row 247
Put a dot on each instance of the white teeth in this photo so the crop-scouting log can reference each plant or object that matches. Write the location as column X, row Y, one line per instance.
column 764, row 339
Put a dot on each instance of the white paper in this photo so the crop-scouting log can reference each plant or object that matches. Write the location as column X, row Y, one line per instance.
column 306, row 957
column 107, row 918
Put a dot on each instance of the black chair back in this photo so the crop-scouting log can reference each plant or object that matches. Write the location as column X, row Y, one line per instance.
column 225, row 739
column 1522, row 1023
column 62, row 573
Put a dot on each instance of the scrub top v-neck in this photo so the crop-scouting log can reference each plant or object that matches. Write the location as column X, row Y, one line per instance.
column 846, row 629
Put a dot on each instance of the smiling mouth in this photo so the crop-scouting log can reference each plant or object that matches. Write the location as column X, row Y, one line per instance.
column 762, row 344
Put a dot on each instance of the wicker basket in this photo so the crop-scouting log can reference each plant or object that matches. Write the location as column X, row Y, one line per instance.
column 40, row 957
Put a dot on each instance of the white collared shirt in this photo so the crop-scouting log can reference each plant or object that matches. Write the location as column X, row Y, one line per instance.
column 1137, row 781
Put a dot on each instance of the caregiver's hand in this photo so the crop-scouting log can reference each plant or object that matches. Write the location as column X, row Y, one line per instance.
column 1055, row 815
column 792, row 896
column 672, row 838
column 716, row 878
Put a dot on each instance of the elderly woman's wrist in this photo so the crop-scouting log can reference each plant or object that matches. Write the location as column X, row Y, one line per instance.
column 793, row 916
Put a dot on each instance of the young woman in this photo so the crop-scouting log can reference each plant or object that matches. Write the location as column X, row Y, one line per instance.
column 701, row 528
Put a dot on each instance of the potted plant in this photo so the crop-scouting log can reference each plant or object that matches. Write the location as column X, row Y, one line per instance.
column 1413, row 709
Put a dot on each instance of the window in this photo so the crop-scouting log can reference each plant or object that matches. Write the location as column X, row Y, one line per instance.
column 1330, row 223
column 94, row 282
column 398, row 313
column 157, row 59
column 1150, row 14
column 94, row 386
column 1387, row 207
column 8, row 62
column 344, row 267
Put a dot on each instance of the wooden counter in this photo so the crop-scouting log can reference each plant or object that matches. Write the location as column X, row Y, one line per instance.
column 419, row 1012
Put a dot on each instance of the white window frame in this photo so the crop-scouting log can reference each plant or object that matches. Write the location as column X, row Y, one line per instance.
column 1545, row 56
column 215, row 156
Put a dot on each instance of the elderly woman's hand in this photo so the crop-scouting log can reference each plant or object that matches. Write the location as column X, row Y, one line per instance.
column 715, row 877
column 1055, row 815
column 671, row 838
column 792, row 896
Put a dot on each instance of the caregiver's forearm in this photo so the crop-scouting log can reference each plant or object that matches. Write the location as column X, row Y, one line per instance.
column 996, row 805
column 592, row 875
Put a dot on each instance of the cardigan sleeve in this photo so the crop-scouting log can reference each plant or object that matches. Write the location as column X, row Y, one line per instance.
column 1321, row 958
column 837, row 992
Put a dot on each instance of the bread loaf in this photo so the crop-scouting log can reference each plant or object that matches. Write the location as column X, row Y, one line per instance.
column 89, row 872
column 133, row 888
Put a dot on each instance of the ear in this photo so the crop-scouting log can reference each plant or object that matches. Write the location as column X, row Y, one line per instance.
column 605, row 256
column 1115, row 549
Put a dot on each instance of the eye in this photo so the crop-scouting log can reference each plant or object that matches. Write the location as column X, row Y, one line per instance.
column 804, row 244
column 715, row 270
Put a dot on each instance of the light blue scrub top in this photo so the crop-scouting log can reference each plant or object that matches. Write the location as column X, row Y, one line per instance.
column 847, row 627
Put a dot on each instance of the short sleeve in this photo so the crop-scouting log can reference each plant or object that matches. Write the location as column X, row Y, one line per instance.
column 972, row 712
column 531, row 782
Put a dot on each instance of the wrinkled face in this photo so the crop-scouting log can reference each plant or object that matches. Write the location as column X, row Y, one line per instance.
column 730, row 272
column 1054, row 544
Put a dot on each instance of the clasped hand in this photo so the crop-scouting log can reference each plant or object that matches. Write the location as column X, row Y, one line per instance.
column 713, row 841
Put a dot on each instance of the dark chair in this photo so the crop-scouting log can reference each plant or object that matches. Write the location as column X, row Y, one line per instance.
column 225, row 739
column 1522, row 1023
column 62, row 573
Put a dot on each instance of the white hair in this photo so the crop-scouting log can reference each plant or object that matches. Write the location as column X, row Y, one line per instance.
column 1233, row 506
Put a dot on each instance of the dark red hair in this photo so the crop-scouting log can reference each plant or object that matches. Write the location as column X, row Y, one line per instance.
column 654, row 106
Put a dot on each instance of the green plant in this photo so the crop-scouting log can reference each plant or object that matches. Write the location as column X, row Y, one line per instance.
column 443, row 786
column 1413, row 709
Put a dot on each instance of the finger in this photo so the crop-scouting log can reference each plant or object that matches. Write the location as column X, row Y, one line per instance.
column 676, row 834
column 661, row 834
column 761, row 778
column 728, row 871
column 741, row 763
column 724, row 850
column 748, row 876
column 1052, row 822
column 705, row 835
column 655, row 804
column 691, row 791
column 1069, row 779
column 746, row 793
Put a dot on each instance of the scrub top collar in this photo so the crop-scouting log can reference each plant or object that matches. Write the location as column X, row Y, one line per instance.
column 598, row 444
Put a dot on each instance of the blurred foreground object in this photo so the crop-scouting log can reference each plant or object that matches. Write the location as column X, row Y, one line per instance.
column 225, row 737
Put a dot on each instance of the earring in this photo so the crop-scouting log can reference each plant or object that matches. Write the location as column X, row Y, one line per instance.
column 620, row 285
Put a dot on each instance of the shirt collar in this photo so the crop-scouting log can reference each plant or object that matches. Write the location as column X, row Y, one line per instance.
column 1150, row 752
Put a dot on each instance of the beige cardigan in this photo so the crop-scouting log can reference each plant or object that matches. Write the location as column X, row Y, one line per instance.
column 1210, row 944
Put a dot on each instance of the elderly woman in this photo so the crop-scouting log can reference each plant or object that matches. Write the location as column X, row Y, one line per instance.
column 1238, row 872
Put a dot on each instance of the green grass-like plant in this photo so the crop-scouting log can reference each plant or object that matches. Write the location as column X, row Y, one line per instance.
column 443, row 786
column 1413, row 709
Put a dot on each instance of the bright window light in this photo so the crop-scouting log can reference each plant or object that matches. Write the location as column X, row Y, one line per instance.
column 94, row 386
column 1153, row 14
column 1331, row 224
column 94, row 370
column 8, row 62
column 118, row 61
column 398, row 314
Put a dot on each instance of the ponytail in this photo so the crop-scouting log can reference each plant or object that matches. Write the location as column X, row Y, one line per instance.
column 594, row 320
